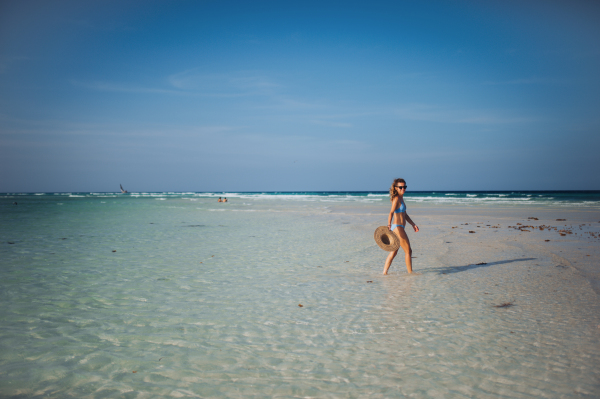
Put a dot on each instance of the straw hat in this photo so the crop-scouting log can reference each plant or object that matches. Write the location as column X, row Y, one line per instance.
column 386, row 239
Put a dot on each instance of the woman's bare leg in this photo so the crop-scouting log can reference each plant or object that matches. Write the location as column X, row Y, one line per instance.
column 388, row 261
column 405, row 244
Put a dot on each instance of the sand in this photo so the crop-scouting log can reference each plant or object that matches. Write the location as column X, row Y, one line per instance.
column 204, row 301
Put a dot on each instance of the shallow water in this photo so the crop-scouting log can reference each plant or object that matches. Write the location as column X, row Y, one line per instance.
column 202, row 299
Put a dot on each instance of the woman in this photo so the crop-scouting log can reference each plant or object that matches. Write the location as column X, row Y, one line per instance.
column 398, row 211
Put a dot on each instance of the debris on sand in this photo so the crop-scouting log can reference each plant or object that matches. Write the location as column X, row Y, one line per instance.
column 481, row 263
column 300, row 305
column 504, row 305
column 471, row 231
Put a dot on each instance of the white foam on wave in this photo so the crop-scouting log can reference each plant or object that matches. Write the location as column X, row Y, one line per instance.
column 582, row 204
column 247, row 199
column 137, row 195
column 472, row 199
column 302, row 197
column 448, row 198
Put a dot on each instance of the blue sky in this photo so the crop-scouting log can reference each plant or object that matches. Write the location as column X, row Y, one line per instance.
column 299, row 96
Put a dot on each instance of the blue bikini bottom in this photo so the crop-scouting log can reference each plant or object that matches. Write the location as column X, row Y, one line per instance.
column 397, row 225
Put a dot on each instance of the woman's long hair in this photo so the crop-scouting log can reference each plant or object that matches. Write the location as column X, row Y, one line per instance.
column 393, row 192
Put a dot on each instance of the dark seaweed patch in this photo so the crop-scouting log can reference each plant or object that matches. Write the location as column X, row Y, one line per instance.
column 504, row 305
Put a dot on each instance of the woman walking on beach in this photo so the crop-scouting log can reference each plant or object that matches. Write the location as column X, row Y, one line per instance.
column 398, row 212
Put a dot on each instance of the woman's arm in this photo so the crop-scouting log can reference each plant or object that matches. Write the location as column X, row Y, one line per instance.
column 391, row 215
column 409, row 220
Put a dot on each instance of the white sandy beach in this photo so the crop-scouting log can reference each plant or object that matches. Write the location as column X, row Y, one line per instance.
column 201, row 300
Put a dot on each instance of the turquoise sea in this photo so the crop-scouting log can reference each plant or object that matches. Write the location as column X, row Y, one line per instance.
column 152, row 295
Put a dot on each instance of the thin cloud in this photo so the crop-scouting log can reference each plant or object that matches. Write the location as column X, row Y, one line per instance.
column 307, row 148
column 244, row 83
column 422, row 112
column 281, row 102
column 56, row 128
column 103, row 86
column 331, row 124
column 439, row 114
column 193, row 83
column 494, row 120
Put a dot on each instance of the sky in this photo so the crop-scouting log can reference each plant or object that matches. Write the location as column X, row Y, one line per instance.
column 299, row 95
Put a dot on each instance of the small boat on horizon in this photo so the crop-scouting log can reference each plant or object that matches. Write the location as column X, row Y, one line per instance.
column 123, row 191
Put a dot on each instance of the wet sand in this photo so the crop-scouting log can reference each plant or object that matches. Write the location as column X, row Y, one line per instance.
column 520, row 285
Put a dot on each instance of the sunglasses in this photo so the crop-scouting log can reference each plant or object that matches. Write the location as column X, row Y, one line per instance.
column 402, row 187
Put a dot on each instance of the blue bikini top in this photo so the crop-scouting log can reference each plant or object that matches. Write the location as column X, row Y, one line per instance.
column 402, row 208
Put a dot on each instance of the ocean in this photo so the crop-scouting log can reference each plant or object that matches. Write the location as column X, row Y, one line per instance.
column 171, row 294
column 590, row 198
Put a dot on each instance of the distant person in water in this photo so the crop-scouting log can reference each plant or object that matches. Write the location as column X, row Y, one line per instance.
column 220, row 200
column 398, row 212
column 225, row 200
